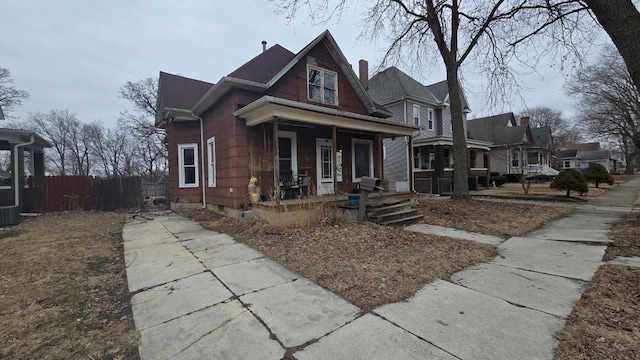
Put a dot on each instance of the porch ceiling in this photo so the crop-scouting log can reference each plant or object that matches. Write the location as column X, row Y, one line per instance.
column 447, row 141
column 268, row 108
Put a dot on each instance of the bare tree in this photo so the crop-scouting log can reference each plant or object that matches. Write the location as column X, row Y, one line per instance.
column 560, row 126
column 9, row 96
column 147, row 139
column 55, row 126
column 489, row 34
column 621, row 20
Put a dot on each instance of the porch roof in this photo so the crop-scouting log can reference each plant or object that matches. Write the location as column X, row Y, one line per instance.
column 268, row 108
column 447, row 141
column 11, row 137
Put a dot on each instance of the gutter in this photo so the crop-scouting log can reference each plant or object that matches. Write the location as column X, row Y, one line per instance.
column 16, row 182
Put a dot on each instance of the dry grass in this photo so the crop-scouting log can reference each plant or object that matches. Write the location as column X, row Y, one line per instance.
column 63, row 290
column 498, row 218
column 625, row 237
column 543, row 189
column 605, row 323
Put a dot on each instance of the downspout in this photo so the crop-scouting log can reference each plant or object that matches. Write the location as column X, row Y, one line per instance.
column 16, row 182
column 204, row 188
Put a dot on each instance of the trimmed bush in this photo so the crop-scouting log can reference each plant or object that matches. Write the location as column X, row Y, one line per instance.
column 597, row 173
column 498, row 180
column 570, row 179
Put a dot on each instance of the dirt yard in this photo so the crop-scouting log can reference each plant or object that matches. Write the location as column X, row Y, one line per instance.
column 63, row 289
column 371, row 265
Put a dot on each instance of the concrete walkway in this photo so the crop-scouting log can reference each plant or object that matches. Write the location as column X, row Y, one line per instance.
column 200, row 295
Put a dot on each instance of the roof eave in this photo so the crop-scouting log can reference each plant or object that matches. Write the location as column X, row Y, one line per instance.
column 222, row 87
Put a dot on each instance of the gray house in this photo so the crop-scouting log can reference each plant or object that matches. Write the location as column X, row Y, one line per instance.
column 423, row 162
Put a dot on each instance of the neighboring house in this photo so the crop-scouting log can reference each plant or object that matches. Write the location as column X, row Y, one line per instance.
column 540, row 154
column 428, row 166
column 579, row 156
column 511, row 142
column 22, row 154
column 279, row 117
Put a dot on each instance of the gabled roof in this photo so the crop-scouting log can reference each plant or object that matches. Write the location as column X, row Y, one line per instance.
column 500, row 130
column 593, row 155
column 265, row 66
column 541, row 136
column 566, row 154
column 253, row 76
column 392, row 84
column 584, row 147
column 180, row 92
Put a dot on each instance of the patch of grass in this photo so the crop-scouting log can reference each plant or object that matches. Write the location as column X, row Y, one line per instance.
column 63, row 289
column 625, row 238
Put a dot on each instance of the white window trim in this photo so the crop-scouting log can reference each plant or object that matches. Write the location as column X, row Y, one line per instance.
column 181, row 178
column 430, row 118
column 211, row 161
column 294, row 148
column 322, row 72
column 416, row 114
column 355, row 141
column 419, row 158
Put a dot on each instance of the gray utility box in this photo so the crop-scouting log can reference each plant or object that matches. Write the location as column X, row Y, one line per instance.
column 370, row 184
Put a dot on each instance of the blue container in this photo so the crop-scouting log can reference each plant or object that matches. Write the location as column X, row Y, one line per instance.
column 354, row 199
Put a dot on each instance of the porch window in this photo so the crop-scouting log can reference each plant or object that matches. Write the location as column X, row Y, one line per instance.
column 288, row 149
column 416, row 158
column 322, row 85
column 430, row 117
column 566, row 164
column 416, row 115
column 211, row 155
column 432, row 159
column 188, row 165
column 362, row 158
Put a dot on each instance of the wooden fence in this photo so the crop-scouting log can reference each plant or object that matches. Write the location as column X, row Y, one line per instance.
column 63, row 193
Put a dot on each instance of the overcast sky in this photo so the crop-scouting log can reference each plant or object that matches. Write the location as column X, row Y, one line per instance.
column 76, row 54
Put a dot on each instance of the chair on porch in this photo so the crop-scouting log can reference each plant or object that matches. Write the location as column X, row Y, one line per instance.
column 304, row 181
column 288, row 185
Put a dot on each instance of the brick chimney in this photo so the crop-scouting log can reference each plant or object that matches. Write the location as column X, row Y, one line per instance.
column 363, row 73
column 264, row 46
column 524, row 121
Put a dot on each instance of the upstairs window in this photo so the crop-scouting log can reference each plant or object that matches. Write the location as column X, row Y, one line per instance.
column 416, row 115
column 430, row 118
column 322, row 85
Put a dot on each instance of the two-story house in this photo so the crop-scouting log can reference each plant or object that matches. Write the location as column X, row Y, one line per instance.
column 428, row 165
column 279, row 117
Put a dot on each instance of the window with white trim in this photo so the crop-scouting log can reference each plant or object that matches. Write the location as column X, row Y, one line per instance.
column 211, row 161
column 188, row 165
column 417, row 161
column 416, row 114
column 361, row 158
column 430, row 116
column 322, row 85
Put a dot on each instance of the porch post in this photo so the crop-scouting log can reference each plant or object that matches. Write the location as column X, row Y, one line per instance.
column 334, row 144
column 412, row 188
column 379, row 159
column 276, row 161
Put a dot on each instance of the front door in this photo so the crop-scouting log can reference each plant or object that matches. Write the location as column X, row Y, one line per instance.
column 324, row 154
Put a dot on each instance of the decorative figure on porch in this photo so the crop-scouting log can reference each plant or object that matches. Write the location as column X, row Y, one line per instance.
column 254, row 190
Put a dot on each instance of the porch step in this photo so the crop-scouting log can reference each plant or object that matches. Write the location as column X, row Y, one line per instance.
column 392, row 213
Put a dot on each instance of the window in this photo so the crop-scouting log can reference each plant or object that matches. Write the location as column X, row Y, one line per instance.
column 211, row 155
column 416, row 115
column 430, row 116
column 416, row 158
column 323, row 85
column 188, row 165
column 566, row 164
column 432, row 159
column 362, row 158
column 288, row 161
column 445, row 158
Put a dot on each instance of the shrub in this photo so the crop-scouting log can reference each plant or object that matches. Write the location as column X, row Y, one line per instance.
column 498, row 180
column 597, row 173
column 514, row 178
column 570, row 179
column 542, row 178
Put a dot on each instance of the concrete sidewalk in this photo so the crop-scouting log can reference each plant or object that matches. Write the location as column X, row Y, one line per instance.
column 200, row 295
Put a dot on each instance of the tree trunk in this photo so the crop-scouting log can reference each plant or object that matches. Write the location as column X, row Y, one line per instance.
column 568, row 192
column 621, row 20
column 460, row 167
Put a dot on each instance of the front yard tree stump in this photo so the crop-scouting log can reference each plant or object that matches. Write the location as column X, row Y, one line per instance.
column 367, row 185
